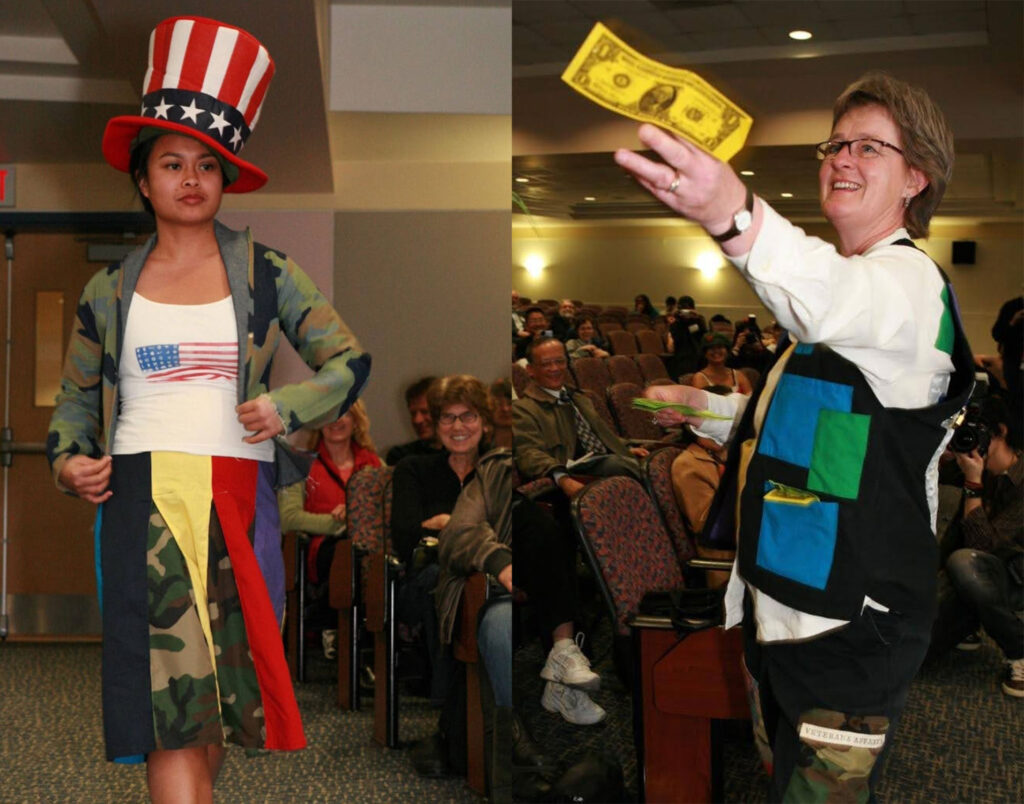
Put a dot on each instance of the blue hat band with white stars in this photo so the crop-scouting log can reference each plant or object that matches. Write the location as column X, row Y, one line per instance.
column 219, row 121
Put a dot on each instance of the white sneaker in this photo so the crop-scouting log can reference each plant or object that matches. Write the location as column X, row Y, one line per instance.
column 329, row 640
column 1013, row 684
column 574, row 705
column 567, row 665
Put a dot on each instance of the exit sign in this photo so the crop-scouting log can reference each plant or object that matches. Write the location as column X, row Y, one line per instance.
column 6, row 185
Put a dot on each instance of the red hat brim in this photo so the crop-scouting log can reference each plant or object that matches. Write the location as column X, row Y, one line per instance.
column 122, row 131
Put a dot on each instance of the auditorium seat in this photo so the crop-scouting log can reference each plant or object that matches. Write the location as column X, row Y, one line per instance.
column 622, row 342
column 623, row 368
column 651, row 367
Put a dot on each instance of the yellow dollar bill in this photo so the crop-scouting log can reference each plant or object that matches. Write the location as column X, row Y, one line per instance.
column 609, row 72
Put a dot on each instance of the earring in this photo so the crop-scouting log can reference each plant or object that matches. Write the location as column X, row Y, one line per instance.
column 906, row 201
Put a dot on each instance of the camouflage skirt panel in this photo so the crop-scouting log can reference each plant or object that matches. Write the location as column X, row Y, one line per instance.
column 192, row 648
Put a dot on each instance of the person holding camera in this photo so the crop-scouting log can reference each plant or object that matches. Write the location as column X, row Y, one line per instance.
column 987, row 573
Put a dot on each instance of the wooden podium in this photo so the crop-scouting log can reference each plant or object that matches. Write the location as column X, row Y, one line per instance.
column 683, row 684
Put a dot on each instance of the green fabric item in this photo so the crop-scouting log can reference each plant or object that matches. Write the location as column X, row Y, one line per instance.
column 944, row 340
column 840, row 446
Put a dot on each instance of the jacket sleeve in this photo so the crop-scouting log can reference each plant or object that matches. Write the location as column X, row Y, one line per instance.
column 998, row 529
column 532, row 459
column 468, row 543
column 324, row 342
column 291, row 501
column 76, row 424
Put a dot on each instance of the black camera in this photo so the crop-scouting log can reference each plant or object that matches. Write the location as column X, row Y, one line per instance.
column 971, row 434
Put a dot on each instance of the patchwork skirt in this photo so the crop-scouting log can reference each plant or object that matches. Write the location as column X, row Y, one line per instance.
column 191, row 585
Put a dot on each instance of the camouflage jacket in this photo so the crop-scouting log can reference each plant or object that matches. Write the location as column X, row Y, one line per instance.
column 271, row 295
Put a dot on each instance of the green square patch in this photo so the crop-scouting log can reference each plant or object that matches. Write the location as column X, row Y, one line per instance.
column 947, row 334
column 837, row 459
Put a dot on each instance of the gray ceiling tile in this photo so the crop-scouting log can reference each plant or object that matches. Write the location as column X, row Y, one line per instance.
column 708, row 18
column 949, row 23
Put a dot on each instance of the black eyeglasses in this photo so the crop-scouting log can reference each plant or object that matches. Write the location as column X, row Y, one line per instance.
column 863, row 148
column 466, row 417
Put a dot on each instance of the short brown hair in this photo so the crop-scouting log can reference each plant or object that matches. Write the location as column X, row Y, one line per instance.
column 461, row 388
column 925, row 137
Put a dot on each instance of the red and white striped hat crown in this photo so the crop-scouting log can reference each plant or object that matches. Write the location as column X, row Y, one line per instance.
column 205, row 80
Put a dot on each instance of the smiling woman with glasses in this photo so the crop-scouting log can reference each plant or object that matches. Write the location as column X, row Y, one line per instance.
column 830, row 515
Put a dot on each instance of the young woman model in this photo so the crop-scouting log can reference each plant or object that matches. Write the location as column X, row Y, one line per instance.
column 716, row 372
column 165, row 420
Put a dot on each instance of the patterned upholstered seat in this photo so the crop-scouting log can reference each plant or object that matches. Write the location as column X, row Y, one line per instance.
column 367, row 521
column 625, row 542
column 591, row 374
column 623, row 368
column 650, row 342
column 651, row 367
column 657, row 469
column 632, row 423
column 623, row 342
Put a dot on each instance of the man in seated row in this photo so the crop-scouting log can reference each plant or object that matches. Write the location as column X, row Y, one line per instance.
column 536, row 326
column 426, row 442
column 558, row 431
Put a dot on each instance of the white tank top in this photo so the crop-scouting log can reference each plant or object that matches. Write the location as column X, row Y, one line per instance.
column 178, row 382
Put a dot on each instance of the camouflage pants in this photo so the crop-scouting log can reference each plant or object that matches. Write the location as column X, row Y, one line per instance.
column 200, row 696
column 825, row 711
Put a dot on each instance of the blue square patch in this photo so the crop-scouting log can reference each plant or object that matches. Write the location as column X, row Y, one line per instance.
column 798, row 542
column 789, row 428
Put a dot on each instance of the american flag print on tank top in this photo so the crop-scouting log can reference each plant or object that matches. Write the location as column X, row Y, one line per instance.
column 182, row 362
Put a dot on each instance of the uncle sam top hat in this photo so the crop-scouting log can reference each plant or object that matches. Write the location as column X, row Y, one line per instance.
column 206, row 80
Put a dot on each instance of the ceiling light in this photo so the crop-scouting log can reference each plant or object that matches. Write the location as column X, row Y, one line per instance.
column 708, row 263
column 746, row 173
column 800, row 36
column 522, row 180
column 589, row 198
column 786, row 195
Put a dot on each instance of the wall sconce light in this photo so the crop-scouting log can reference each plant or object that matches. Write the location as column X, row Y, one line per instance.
column 534, row 265
column 708, row 263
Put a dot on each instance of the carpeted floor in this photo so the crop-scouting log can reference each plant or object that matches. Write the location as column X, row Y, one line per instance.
column 961, row 738
column 51, row 743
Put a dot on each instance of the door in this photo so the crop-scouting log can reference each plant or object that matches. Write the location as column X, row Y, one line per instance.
column 51, row 584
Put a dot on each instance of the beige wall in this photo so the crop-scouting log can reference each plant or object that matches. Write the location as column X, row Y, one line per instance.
column 611, row 264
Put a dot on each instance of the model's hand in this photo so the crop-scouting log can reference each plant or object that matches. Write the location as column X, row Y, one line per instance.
column 708, row 191
column 87, row 477
column 259, row 417
column 339, row 512
column 971, row 464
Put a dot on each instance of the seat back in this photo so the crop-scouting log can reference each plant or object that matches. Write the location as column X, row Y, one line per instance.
column 632, row 423
column 626, row 544
column 639, row 325
column 651, row 342
column 368, row 507
column 651, row 367
column 607, row 327
column 591, row 374
column 601, row 406
column 623, row 342
column 520, row 379
column 657, row 469
column 622, row 368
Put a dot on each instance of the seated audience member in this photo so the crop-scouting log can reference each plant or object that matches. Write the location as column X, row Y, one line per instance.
column 748, row 349
column 696, row 472
column 563, row 324
column 489, row 525
column 771, row 336
column 642, row 304
column 715, row 347
column 685, row 332
column 316, row 506
column 501, row 403
column 426, row 442
column 719, row 323
column 424, row 491
column 670, row 306
column 1008, row 332
column 987, row 573
column 588, row 342
column 536, row 326
column 518, row 321
column 555, row 426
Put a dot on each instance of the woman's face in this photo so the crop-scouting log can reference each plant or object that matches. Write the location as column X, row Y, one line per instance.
column 716, row 354
column 585, row 331
column 183, row 180
column 638, row 304
column 502, row 410
column 459, row 436
column 864, row 198
column 338, row 432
